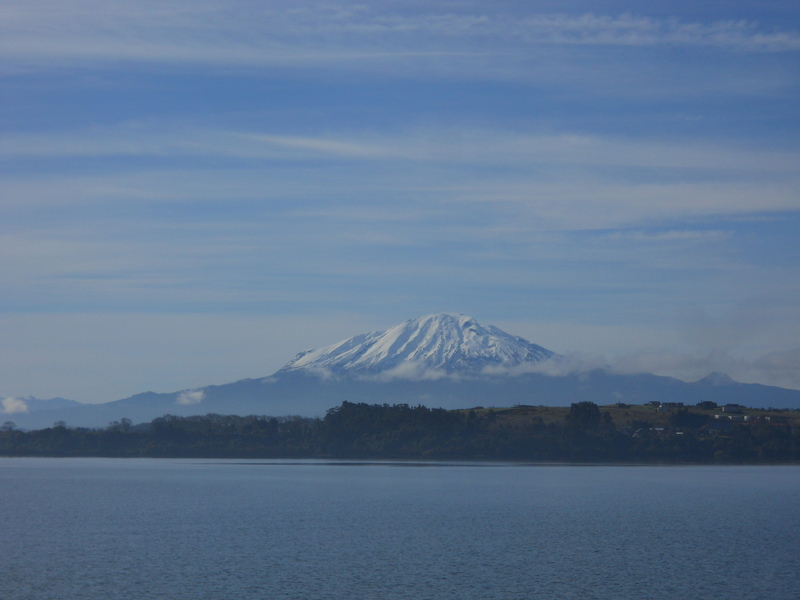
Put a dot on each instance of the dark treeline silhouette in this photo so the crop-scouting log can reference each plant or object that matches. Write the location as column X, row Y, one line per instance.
column 583, row 433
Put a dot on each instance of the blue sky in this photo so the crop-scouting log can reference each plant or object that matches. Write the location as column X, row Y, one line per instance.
column 192, row 192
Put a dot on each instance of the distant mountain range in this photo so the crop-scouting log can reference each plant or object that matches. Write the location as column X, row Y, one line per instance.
column 441, row 360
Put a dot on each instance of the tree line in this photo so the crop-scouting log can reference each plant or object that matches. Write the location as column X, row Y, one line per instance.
column 584, row 433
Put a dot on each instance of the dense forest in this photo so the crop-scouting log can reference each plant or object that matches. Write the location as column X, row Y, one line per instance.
column 583, row 432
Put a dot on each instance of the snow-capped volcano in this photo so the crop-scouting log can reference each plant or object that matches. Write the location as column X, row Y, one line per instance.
column 430, row 346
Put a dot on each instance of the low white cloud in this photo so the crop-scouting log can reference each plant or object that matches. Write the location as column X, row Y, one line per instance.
column 559, row 365
column 671, row 363
column 320, row 372
column 780, row 368
column 190, row 397
column 724, row 332
column 404, row 371
column 13, row 406
column 412, row 372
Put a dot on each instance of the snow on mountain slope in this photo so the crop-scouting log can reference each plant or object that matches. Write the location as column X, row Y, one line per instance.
column 431, row 346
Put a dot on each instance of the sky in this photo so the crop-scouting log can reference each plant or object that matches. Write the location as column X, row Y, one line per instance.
column 192, row 192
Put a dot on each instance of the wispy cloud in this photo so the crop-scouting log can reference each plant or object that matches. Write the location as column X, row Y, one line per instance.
column 561, row 181
column 673, row 235
column 631, row 30
column 250, row 33
column 161, row 139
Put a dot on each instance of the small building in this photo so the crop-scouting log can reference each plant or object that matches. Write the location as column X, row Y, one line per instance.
column 730, row 417
column 776, row 419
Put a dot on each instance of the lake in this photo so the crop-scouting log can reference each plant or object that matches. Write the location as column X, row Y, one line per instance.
column 87, row 529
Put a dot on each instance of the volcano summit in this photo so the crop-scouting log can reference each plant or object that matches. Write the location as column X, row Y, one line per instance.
column 434, row 345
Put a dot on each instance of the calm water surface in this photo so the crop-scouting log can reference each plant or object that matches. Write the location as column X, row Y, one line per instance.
column 89, row 529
